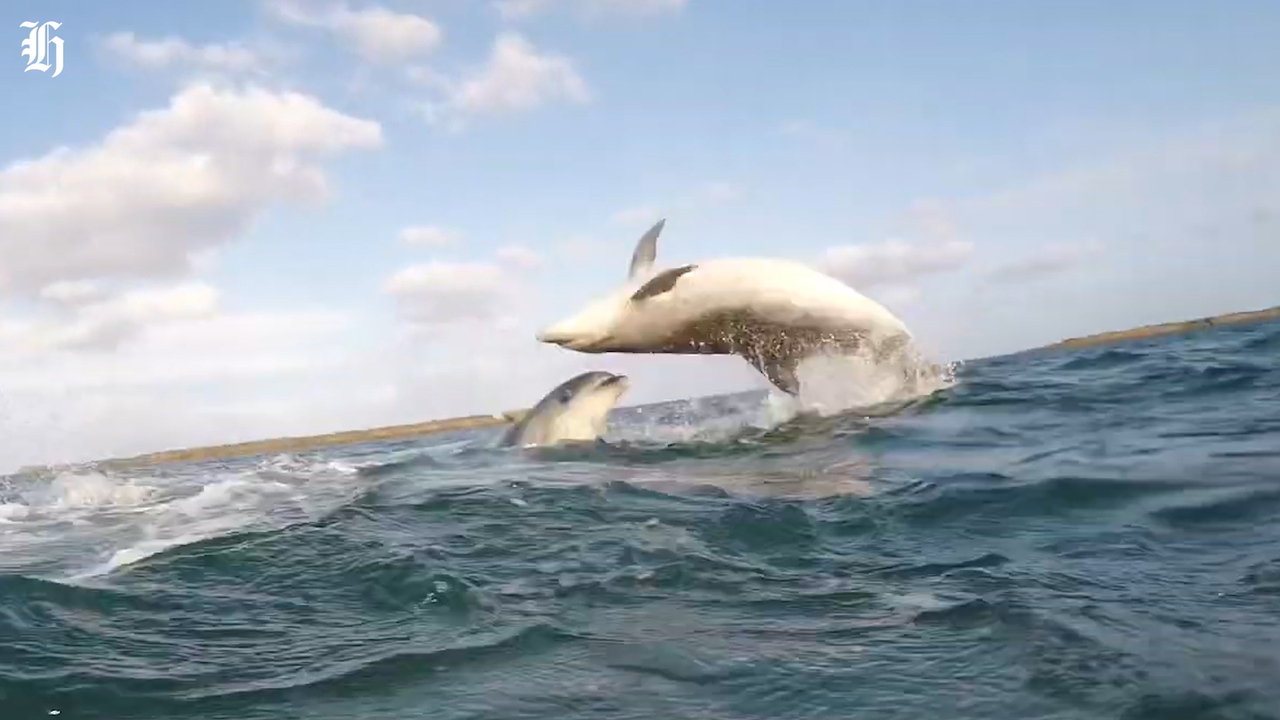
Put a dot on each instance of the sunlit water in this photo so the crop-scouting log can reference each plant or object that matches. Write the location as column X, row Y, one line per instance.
column 1091, row 534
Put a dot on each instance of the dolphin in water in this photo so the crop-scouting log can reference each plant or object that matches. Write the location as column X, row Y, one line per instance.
column 575, row 410
column 773, row 313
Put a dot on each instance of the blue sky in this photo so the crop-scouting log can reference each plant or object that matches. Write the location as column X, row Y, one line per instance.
column 1000, row 174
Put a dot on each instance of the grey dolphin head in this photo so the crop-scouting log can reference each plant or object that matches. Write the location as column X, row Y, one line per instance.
column 577, row 409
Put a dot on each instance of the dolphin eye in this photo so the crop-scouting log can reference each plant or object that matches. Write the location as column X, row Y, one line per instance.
column 565, row 396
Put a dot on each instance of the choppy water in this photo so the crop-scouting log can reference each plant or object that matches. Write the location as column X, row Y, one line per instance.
column 1093, row 534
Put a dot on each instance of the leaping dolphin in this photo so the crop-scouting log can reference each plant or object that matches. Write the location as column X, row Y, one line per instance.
column 771, row 312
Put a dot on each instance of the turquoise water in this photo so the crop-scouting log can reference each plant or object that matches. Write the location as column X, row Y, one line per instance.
column 1084, row 535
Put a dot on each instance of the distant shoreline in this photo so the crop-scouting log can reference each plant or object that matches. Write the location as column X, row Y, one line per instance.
column 471, row 422
column 1171, row 328
column 312, row 442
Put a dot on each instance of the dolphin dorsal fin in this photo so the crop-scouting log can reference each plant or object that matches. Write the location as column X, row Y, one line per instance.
column 646, row 252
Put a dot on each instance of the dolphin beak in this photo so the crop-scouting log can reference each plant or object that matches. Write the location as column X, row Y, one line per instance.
column 566, row 337
column 552, row 336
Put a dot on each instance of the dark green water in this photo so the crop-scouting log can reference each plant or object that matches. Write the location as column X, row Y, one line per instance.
column 1082, row 535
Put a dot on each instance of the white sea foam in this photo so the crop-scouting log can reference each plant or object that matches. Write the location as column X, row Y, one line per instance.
column 87, row 522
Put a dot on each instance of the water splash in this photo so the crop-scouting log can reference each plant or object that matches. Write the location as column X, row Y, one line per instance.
column 833, row 383
column 700, row 420
column 130, row 515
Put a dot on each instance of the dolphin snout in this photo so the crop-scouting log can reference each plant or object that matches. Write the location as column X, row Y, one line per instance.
column 566, row 337
column 553, row 336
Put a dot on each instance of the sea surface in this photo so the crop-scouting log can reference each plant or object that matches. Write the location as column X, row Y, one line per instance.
column 1071, row 534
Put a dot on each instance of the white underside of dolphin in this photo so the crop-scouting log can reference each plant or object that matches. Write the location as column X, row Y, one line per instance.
column 771, row 312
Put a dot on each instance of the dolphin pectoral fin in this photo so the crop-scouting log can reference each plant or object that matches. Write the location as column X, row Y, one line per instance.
column 646, row 252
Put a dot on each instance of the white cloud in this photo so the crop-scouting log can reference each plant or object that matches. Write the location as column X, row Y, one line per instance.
column 898, row 296
column 82, row 319
column 174, row 52
column 443, row 293
column 518, row 77
column 518, row 9
column 519, row 256
column 428, row 236
column 192, row 380
column 577, row 246
column 893, row 262
column 200, row 347
column 104, row 337
column 376, row 34
column 1048, row 261
column 171, row 183
column 72, row 292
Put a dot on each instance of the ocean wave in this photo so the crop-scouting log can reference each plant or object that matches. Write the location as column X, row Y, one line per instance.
column 1056, row 534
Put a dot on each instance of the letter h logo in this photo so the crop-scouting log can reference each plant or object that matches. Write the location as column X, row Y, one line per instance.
column 39, row 48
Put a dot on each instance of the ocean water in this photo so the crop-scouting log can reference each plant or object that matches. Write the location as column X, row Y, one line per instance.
column 1077, row 535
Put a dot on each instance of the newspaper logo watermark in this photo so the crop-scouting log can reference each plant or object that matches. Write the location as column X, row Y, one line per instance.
column 40, row 47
